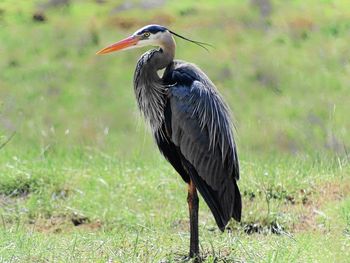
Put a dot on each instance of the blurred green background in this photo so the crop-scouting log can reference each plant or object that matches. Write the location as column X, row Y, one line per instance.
column 283, row 67
column 80, row 177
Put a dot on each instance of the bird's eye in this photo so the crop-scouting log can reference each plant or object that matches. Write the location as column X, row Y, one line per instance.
column 146, row 34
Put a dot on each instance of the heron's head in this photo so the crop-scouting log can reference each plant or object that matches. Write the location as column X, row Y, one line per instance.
column 151, row 35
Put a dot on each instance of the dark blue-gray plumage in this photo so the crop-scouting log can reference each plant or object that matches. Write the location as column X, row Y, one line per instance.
column 191, row 125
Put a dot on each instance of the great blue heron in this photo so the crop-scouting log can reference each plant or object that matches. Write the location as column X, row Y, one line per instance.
column 191, row 125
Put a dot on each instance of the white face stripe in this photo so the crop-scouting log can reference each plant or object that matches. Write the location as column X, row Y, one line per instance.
column 152, row 40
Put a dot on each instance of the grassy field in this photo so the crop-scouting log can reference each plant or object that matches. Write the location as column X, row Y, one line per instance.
column 80, row 178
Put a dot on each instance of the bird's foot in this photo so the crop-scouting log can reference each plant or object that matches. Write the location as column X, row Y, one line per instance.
column 194, row 258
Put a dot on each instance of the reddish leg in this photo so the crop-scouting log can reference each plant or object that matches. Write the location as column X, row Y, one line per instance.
column 192, row 200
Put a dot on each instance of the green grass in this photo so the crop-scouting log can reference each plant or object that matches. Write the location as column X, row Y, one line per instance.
column 81, row 180
column 137, row 212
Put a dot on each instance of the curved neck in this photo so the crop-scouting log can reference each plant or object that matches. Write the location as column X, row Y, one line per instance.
column 152, row 61
column 148, row 86
column 157, row 59
column 166, row 52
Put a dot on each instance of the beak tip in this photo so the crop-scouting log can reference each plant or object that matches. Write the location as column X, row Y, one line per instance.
column 123, row 44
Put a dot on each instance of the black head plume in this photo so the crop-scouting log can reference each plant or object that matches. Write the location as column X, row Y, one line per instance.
column 201, row 44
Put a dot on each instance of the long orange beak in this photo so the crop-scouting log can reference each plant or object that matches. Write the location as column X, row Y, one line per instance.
column 123, row 44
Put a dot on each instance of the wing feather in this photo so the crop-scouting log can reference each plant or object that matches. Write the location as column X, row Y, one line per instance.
column 200, row 128
column 202, row 131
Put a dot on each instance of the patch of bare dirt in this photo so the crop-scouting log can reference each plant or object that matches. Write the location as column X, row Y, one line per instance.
column 312, row 207
column 305, row 205
column 64, row 223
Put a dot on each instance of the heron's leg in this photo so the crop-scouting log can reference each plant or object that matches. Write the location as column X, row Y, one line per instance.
column 192, row 200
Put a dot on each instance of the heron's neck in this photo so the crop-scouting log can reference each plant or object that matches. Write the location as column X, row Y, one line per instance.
column 156, row 59
column 159, row 59
column 148, row 86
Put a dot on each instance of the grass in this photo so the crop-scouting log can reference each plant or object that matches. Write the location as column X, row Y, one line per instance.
column 91, row 207
column 81, row 180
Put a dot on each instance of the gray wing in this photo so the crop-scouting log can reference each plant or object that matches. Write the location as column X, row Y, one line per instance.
column 201, row 129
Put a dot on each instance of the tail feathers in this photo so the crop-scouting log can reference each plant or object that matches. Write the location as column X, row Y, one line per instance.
column 224, row 205
column 237, row 207
column 222, row 212
column 210, row 197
